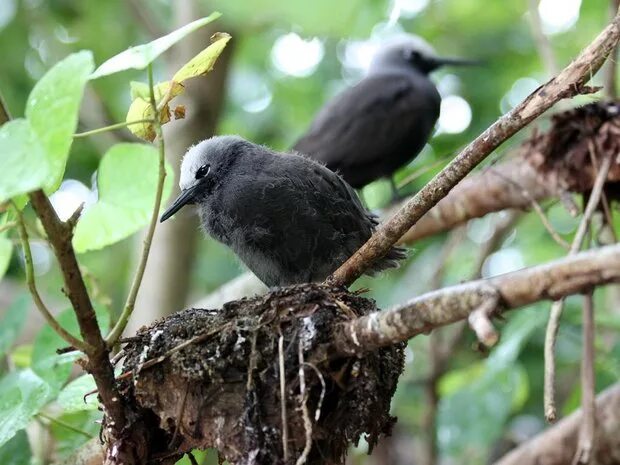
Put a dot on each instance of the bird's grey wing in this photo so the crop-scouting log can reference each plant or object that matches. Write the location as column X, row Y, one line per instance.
column 341, row 217
column 376, row 116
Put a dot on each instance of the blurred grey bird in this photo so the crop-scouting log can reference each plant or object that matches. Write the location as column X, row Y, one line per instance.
column 370, row 130
column 287, row 217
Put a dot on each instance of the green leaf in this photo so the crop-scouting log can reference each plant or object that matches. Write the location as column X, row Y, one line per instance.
column 66, row 440
column 13, row 323
column 52, row 109
column 21, row 356
column 71, row 398
column 139, row 89
column 22, row 394
column 127, row 181
column 17, row 450
column 24, row 163
column 141, row 56
column 490, row 390
column 52, row 367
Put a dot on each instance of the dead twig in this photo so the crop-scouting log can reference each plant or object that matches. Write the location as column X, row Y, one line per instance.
column 480, row 322
column 283, row 396
column 587, row 431
column 303, row 395
column 558, row 306
column 538, row 209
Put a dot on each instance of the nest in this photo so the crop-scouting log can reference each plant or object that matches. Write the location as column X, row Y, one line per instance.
column 571, row 151
column 211, row 378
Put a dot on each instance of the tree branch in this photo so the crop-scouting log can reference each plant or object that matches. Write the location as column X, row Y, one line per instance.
column 568, row 83
column 59, row 235
column 62, row 332
column 558, row 444
column 429, row 311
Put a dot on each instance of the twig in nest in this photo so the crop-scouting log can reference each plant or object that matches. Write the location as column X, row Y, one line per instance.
column 252, row 364
column 588, row 425
column 183, row 345
column 304, row 408
column 480, row 322
column 317, row 412
column 283, row 395
column 558, row 306
column 179, row 418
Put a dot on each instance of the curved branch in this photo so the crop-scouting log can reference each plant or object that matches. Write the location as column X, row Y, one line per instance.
column 422, row 314
column 568, row 83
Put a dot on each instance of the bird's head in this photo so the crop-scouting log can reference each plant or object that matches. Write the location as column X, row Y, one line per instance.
column 411, row 51
column 203, row 168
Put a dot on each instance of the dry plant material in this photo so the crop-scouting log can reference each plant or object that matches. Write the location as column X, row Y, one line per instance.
column 229, row 383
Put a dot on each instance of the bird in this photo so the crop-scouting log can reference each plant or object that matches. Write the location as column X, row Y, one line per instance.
column 372, row 129
column 287, row 217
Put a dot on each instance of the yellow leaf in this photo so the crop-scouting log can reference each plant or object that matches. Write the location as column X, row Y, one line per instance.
column 141, row 109
column 204, row 61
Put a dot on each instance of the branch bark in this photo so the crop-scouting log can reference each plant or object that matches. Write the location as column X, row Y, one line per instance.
column 568, row 83
column 558, row 444
column 59, row 235
column 554, row 280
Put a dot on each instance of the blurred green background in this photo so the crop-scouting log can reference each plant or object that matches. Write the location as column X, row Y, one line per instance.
column 287, row 58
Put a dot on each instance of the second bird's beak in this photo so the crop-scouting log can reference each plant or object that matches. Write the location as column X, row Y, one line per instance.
column 451, row 61
column 184, row 198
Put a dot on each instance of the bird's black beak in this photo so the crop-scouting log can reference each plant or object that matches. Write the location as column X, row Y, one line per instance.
column 186, row 197
column 452, row 61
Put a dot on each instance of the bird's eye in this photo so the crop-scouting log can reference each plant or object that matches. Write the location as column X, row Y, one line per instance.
column 203, row 171
column 413, row 56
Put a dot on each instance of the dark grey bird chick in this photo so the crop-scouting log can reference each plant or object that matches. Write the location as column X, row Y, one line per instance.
column 372, row 129
column 288, row 218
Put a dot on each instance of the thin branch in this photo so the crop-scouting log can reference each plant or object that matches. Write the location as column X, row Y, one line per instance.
column 542, row 41
column 64, row 424
column 566, row 276
column 118, row 329
column 558, row 306
column 568, row 83
column 587, row 435
column 30, row 281
column 5, row 116
column 111, row 127
column 610, row 79
column 8, row 225
column 59, row 235
column 539, row 211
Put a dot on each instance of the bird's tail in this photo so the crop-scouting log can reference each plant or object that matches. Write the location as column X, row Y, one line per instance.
column 390, row 260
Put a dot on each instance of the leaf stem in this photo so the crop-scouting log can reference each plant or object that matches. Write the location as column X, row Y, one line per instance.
column 112, row 127
column 64, row 424
column 74, row 341
column 120, row 325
